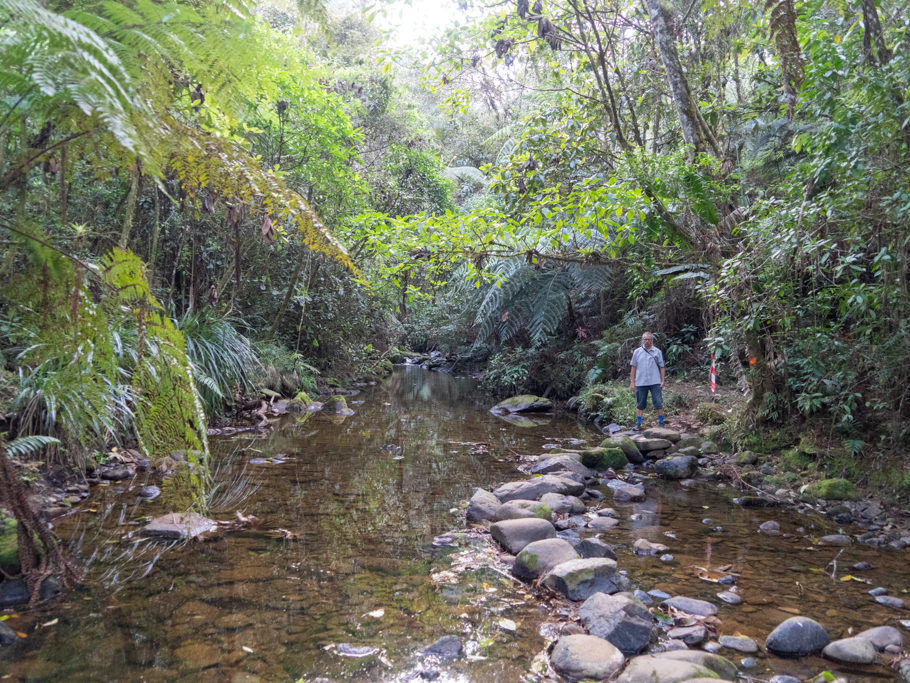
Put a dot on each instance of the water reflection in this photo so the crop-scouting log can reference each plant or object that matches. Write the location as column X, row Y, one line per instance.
column 359, row 521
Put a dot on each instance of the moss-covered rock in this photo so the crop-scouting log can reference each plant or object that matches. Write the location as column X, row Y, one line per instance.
column 336, row 404
column 831, row 489
column 710, row 414
column 9, row 545
column 299, row 403
column 628, row 447
column 746, row 458
column 613, row 458
column 525, row 403
column 592, row 457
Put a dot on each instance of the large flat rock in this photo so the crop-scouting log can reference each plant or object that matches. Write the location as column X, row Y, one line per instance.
column 515, row 534
column 560, row 462
column 580, row 579
column 534, row 488
column 539, row 557
column 526, row 403
column 691, row 606
column 179, row 525
column 670, row 435
column 582, row 656
column 482, row 506
column 620, row 619
column 678, row 665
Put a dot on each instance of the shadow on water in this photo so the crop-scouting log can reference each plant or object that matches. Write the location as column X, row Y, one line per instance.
column 358, row 502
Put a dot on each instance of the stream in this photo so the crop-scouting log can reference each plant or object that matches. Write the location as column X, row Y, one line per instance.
column 341, row 559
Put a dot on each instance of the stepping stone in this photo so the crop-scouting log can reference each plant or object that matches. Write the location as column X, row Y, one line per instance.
column 540, row 557
column 533, row 489
column 730, row 598
column 882, row 636
column 482, row 506
column 670, row 435
column 583, row 656
column 515, row 534
column 519, row 509
column 621, row 619
column 797, row 637
column 624, row 492
column 678, row 665
column 851, row 650
column 580, row 579
column 690, row 635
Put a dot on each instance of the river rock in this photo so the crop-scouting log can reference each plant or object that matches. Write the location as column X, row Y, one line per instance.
column 889, row 601
column 533, row 489
column 830, row 489
column 539, row 557
column 708, row 448
column 769, row 527
column 646, row 445
column 561, row 462
column 678, row 665
column 482, row 506
column 515, row 534
column 149, row 492
column 559, row 503
column 594, row 547
column 645, row 548
column 603, row 523
column 739, row 643
column 797, row 637
column 447, row 647
column 677, row 467
column 691, row 606
column 580, row 579
column 621, row 619
column 851, row 650
column 835, row 539
column 730, row 597
column 519, row 509
column 608, row 458
column 670, row 435
column 882, row 636
column 569, row 535
column 116, row 473
column 15, row 592
column 582, row 656
column 627, row 446
column 179, row 525
column 7, row 635
column 624, row 492
column 690, row 635
column 525, row 403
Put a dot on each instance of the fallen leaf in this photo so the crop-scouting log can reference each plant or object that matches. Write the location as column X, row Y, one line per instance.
column 507, row 625
column 246, row 649
column 789, row 610
column 21, row 634
column 52, row 622
column 376, row 613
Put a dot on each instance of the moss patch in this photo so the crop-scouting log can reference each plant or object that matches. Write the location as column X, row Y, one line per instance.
column 613, row 458
column 9, row 545
column 710, row 414
column 831, row 489
column 543, row 511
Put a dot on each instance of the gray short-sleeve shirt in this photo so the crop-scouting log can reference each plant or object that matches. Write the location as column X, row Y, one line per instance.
column 647, row 365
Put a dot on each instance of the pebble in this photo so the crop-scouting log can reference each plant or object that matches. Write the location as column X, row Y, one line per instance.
column 859, row 566
column 875, row 592
column 889, row 601
column 739, row 643
column 606, row 512
column 730, row 597
column 658, row 594
column 711, row 646
column 707, row 521
column 769, row 527
column 748, row 663
column 643, row 597
column 667, row 559
column 727, row 580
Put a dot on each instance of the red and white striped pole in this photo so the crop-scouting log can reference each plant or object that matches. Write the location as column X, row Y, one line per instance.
column 713, row 376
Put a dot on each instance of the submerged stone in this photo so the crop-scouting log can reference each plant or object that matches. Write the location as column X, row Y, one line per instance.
column 797, row 637
column 851, row 650
column 534, row 488
column 179, row 525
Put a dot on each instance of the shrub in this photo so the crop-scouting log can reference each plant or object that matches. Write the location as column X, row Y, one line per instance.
column 710, row 414
column 610, row 402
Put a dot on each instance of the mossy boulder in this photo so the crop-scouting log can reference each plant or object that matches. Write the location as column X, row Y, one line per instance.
column 335, row 404
column 526, row 403
column 299, row 403
column 710, row 414
column 604, row 458
column 9, row 545
column 627, row 445
column 831, row 489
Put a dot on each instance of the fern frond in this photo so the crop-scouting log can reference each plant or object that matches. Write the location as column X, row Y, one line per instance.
column 25, row 445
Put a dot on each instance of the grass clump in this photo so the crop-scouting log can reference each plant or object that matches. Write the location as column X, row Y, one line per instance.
column 610, row 402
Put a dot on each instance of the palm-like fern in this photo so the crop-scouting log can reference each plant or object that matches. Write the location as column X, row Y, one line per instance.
column 534, row 298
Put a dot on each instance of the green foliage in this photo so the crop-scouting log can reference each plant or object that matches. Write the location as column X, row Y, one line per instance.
column 507, row 372
column 609, row 402
column 283, row 370
column 223, row 359
column 711, row 413
column 25, row 445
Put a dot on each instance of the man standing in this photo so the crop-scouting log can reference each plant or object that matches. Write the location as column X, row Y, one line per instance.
column 647, row 374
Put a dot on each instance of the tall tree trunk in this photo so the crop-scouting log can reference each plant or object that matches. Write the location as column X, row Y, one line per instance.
column 288, row 294
column 131, row 200
column 783, row 29
column 63, row 198
column 692, row 130
column 873, row 37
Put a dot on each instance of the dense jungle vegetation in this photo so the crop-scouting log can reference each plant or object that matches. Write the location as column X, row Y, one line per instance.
column 203, row 200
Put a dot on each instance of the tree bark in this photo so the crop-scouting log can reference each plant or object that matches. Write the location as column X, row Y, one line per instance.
column 689, row 122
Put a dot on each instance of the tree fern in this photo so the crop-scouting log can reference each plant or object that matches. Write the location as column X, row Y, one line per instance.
column 25, row 445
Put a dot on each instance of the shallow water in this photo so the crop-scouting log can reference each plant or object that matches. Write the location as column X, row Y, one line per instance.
column 359, row 524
